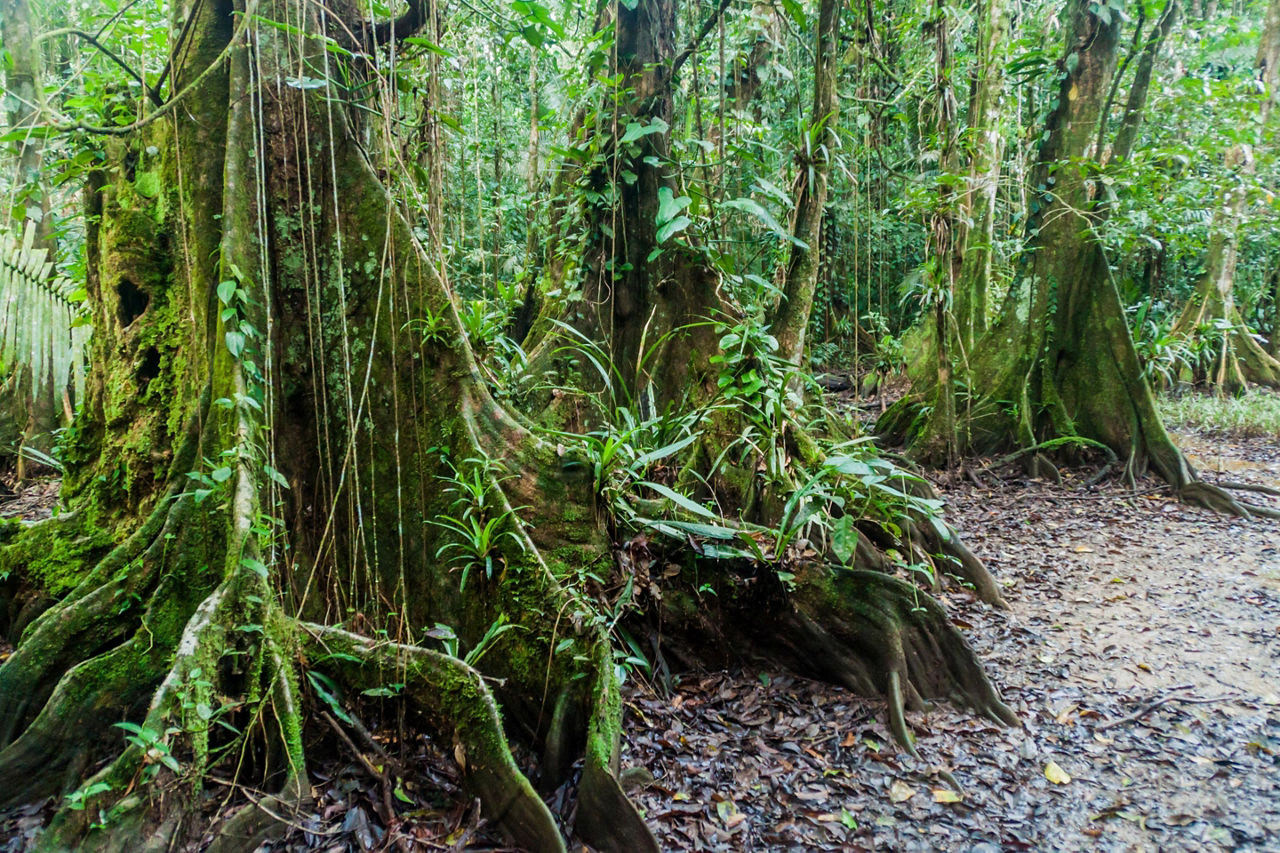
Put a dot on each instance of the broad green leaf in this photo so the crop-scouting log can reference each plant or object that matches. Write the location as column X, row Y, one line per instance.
column 680, row 500
column 844, row 539
column 678, row 529
column 636, row 130
column 652, row 456
column 673, row 227
column 669, row 206
column 226, row 291
column 755, row 209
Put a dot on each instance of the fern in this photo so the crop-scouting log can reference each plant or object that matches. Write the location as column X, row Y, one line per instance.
column 42, row 329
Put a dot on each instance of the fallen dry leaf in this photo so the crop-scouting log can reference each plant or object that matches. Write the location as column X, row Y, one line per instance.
column 900, row 792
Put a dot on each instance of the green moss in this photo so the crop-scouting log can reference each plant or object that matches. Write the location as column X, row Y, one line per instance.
column 54, row 555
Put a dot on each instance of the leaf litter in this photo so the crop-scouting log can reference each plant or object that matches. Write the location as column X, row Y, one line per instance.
column 1140, row 652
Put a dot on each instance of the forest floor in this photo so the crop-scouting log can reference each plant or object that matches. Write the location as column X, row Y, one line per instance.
column 1141, row 652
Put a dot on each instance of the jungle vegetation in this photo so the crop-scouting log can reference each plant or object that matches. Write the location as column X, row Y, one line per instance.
column 464, row 359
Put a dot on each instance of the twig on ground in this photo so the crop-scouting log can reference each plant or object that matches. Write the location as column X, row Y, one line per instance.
column 1173, row 696
column 389, row 817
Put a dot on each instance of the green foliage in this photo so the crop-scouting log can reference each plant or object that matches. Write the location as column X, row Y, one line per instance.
column 452, row 645
column 154, row 746
column 1256, row 412
column 44, row 326
column 479, row 521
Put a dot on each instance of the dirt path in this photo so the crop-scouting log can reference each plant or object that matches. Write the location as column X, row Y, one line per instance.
column 1142, row 653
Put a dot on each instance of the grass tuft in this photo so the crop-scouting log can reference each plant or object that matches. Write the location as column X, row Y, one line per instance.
column 1254, row 413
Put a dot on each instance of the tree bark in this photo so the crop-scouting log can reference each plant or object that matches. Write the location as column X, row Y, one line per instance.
column 1211, row 310
column 985, row 142
column 790, row 322
column 283, row 415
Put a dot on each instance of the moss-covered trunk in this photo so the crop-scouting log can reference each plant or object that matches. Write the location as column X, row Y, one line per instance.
column 288, row 463
column 790, row 322
column 280, row 383
column 984, row 142
column 1059, row 365
column 645, row 292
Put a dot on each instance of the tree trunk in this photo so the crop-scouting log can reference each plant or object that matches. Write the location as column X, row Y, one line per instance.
column 1059, row 365
column 938, row 441
column 985, row 142
column 790, row 322
column 643, row 298
column 1136, row 101
column 284, row 424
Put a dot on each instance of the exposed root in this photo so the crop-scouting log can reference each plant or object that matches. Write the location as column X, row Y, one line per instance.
column 1247, row 487
column 873, row 633
column 860, row 628
column 963, row 563
column 455, row 702
column 87, row 699
column 606, row 817
column 1265, row 511
column 897, row 714
column 1210, row 497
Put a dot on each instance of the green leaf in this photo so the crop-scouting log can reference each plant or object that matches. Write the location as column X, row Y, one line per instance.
column 226, row 291
column 235, row 343
column 652, row 456
column 673, row 227
column 276, row 476
column 844, row 539
column 681, row 500
column 796, row 11
column 428, row 44
column 327, row 691
column 669, row 206
column 636, row 130
column 755, row 209
column 678, row 529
